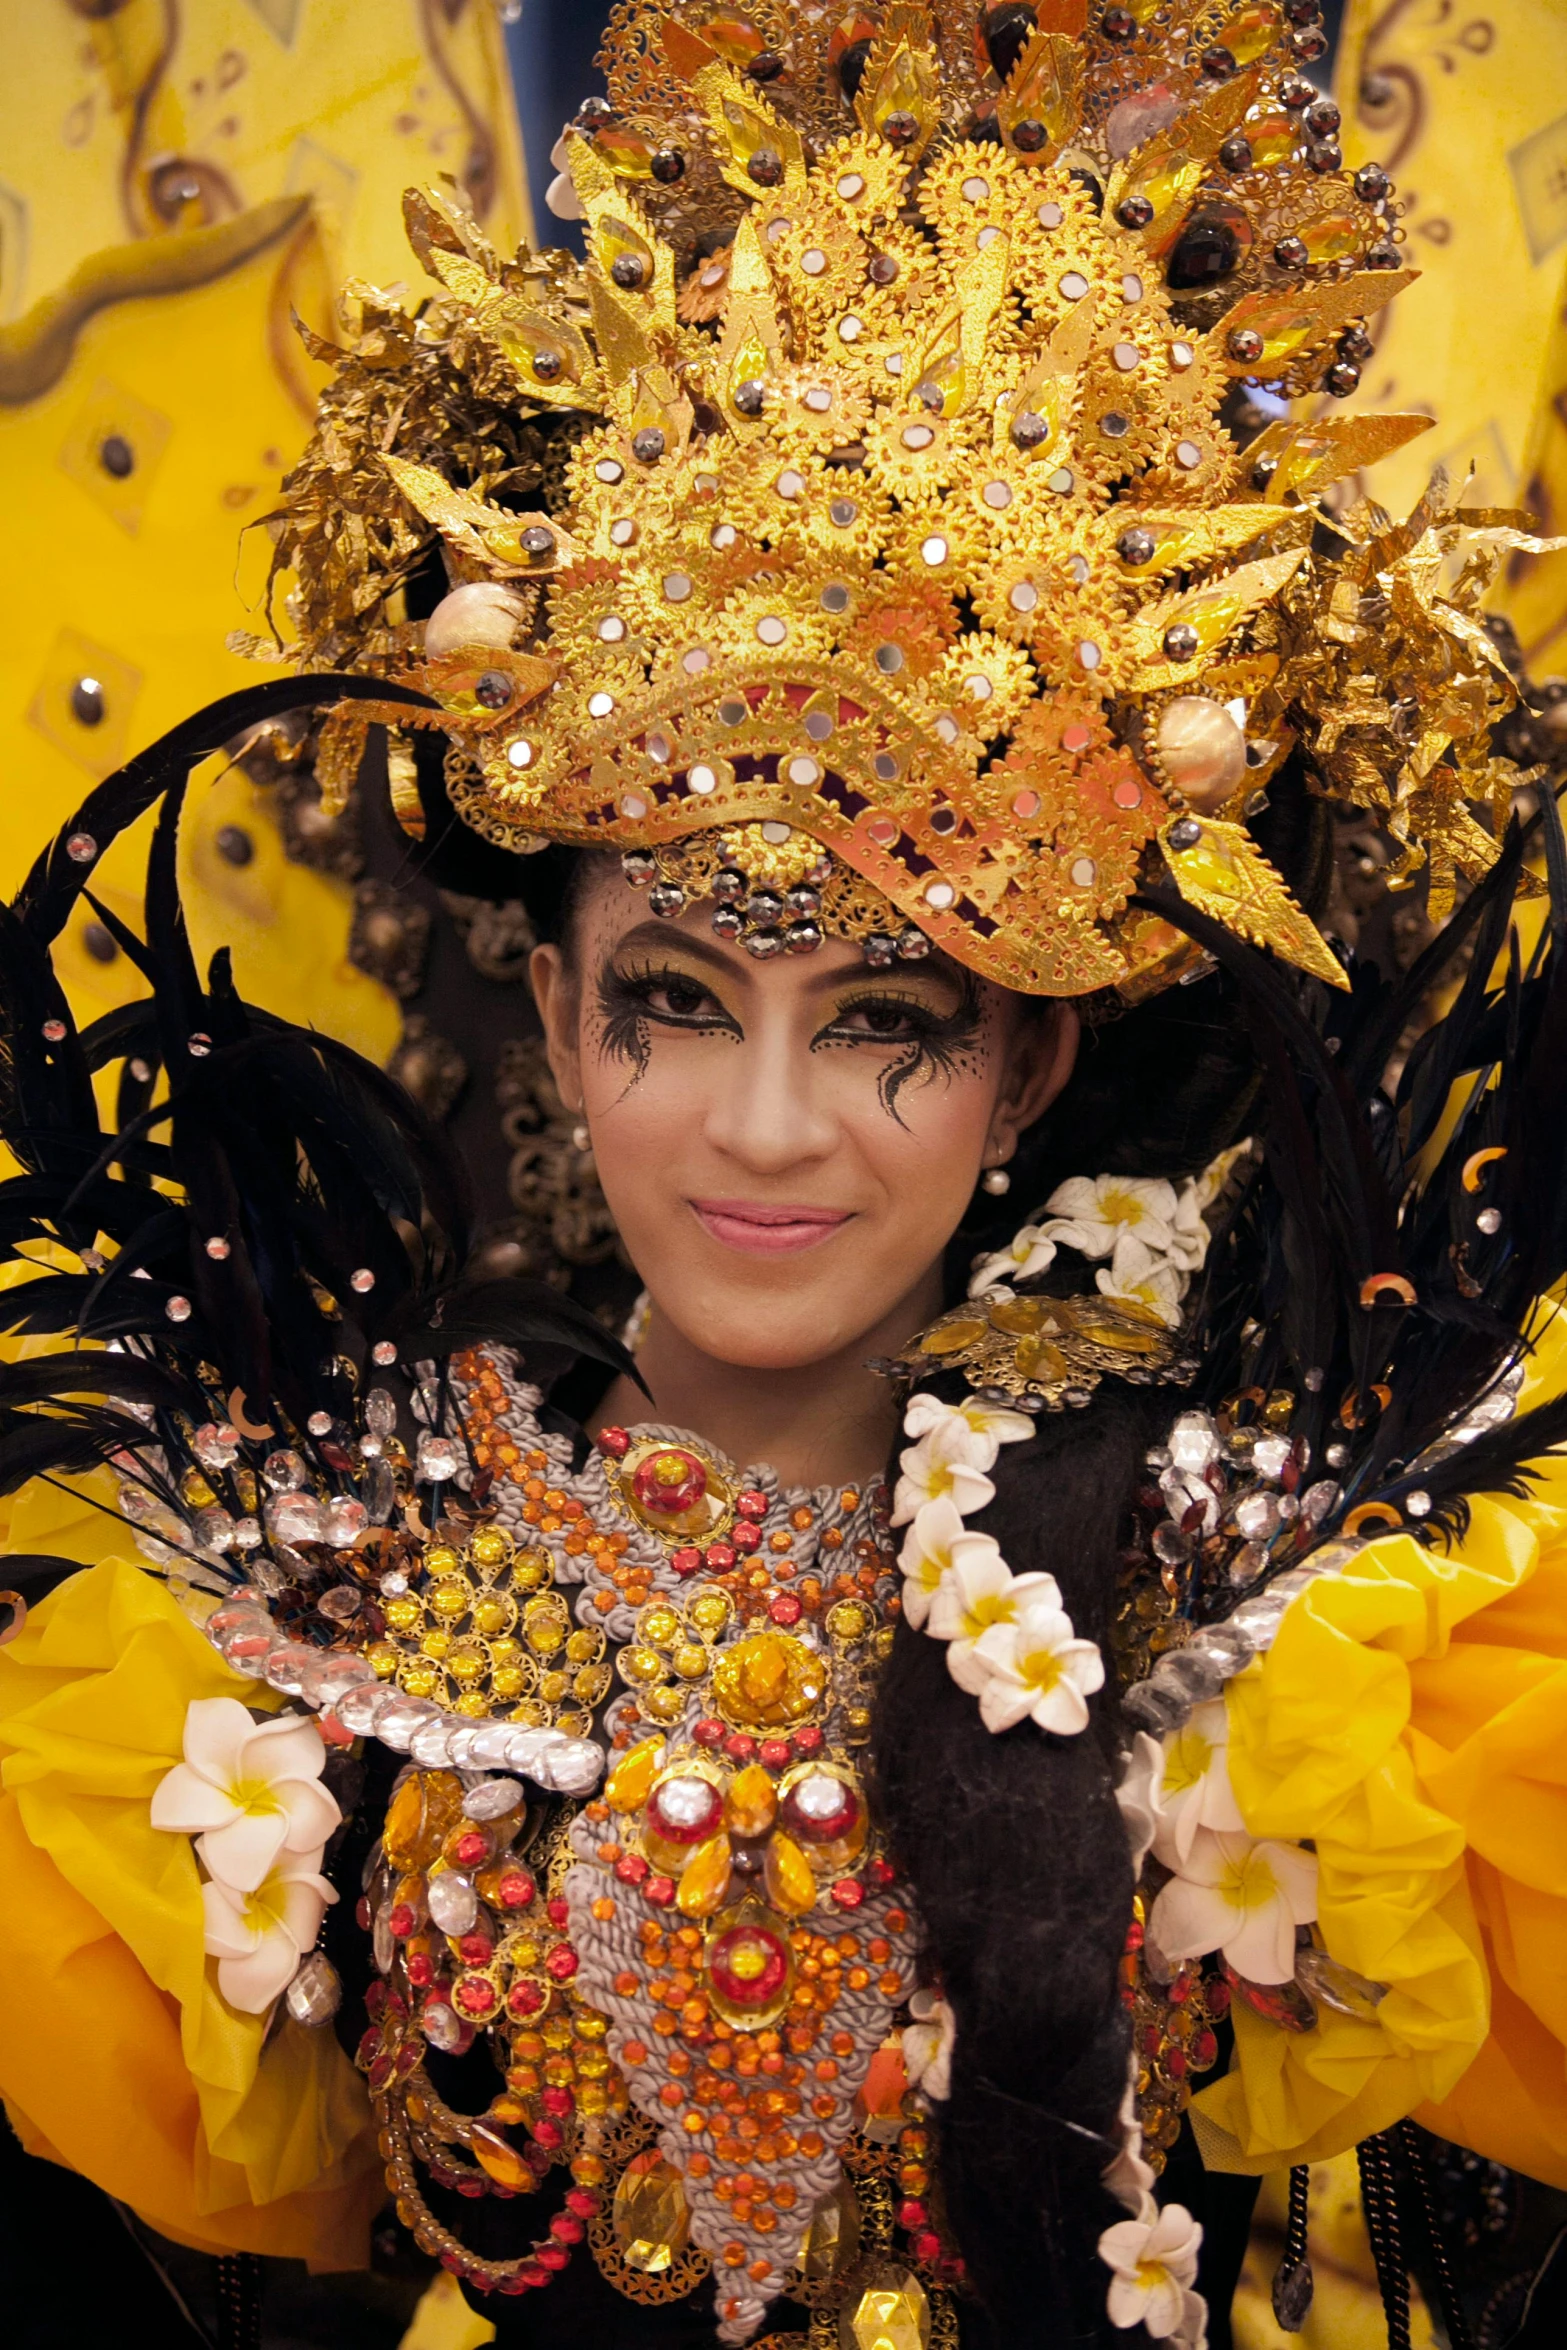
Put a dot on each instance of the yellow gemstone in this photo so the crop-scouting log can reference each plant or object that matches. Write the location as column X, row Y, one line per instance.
column 1333, row 238
column 705, row 1878
column 769, row 1681
column 553, row 1687
column 442, row 1560
column 195, row 1491
column 545, row 1636
column 950, row 1338
column 1019, row 1317
column 590, row 1684
column 851, row 1619
column 630, row 1783
column 753, row 1802
column 532, row 1569
column 791, row 1886
column 1272, row 139
column 709, row 1611
column 884, row 2308
column 502, row 2161
column 659, row 1627
column 490, row 1547
column 1041, row 1359
column 651, row 2221
column 403, row 1614
column 1249, row 32
column 508, row 1681
column 466, row 1665
column 832, row 2241
column 435, row 1644
column 419, row 1679
column 493, row 1613
column 584, row 1648
column 448, row 1600
column 382, row 1658
column 420, row 1817
column 640, row 1664
column 473, row 1704
column 690, row 1661
column 663, row 1705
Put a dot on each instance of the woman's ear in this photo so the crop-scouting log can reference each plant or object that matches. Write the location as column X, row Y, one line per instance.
column 1040, row 1058
column 555, row 993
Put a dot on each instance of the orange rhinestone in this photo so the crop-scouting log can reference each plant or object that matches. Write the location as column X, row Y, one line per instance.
column 633, row 2052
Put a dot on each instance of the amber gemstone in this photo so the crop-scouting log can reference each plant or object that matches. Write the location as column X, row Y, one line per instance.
column 494, row 2154
column 704, row 1880
column 650, row 2217
column 884, row 2308
column 753, row 1802
column 832, row 2241
column 420, row 1817
column 631, row 1781
column 791, row 1886
column 769, row 1682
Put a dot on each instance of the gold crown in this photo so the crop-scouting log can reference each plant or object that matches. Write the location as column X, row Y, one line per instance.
column 898, row 518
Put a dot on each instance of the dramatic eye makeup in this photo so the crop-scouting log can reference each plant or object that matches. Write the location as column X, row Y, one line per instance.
column 638, row 991
column 928, row 1041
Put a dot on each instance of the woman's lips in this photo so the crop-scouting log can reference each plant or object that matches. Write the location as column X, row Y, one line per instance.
column 767, row 1231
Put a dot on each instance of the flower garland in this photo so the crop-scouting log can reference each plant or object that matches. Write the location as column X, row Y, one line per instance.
column 1153, row 1233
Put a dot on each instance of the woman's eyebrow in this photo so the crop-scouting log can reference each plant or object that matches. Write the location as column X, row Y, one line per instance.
column 660, row 935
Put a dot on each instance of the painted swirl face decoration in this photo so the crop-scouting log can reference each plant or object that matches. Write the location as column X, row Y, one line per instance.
column 786, row 1146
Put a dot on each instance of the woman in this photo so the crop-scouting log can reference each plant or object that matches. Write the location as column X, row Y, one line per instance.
column 796, row 1809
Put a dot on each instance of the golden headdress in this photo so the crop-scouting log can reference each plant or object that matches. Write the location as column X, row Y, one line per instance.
column 858, row 540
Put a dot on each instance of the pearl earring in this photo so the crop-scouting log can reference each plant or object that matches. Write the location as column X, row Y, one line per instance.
column 581, row 1139
column 996, row 1180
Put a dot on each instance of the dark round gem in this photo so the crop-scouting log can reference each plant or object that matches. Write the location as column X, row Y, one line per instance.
column 1341, row 379
column 546, row 365
column 766, row 67
column 766, row 906
column 726, row 922
column 667, row 900
column 1235, row 154
column 749, row 396
column 802, row 938
column 1185, row 833
column 705, row 418
column 984, row 133
column 1217, row 63
column 1298, row 12
column 851, row 68
column 592, row 114
column 1372, row 184
column 537, row 542
column 235, row 845
column 1309, row 44
column 627, row 270
column 98, row 942
column 1324, row 155
column 1029, row 431
column 1245, row 343
column 647, row 446
column 638, row 867
column 764, row 944
column 493, row 689
column 879, row 950
column 765, row 167
column 1324, row 118
column 87, row 702
column 1376, row 91
column 1299, row 92
column 900, row 128
column 1136, row 546
column 804, row 901
column 1008, row 31
column 116, row 456
column 882, row 269
column 1118, row 24
column 1383, row 256
column 1115, row 426
column 729, row 887
column 1291, row 253
column 1355, row 345
column 913, row 945
column 667, row 166
column 1136, row 212
column 1180, row 642
column 1206, row 252
column 1263, row 472
column 1029, row 137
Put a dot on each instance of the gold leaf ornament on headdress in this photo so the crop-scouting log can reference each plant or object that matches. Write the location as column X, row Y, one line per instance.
column 882, row 422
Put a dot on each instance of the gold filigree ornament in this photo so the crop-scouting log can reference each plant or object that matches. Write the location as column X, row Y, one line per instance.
column 1048, row 1352
column 883, row 417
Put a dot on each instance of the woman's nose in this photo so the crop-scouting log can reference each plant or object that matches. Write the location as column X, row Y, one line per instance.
column 766, row 1110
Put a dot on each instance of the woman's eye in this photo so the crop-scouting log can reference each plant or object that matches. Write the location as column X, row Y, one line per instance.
column 883, row 1018
column 682, row 996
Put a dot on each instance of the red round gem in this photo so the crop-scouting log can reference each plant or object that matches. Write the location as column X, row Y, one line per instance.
column 524, row 1999
column 516, row 1889
column 751, row 1504
column 471, row 1847
column 615, row 1442
column 565, row 2228
column 708, row 1732
column 362, row 1913
column 745, row 1537
column 660, row 1891
column 748, row 1965
column 697, row 1797
column 926, row 2244
column 402, row 1921
column 375, row 1999
column 808, row 1740
column 632, row 1869
column 912, row 2215
column 1219, row 1996
column 421, row 1969
column 1175, row 2063
column 558, row 1913
column 547, row 2133
column 476, row 1996
column 720, row 1557
column 669, row 1482
column 739, row 1747
column 561, row 1963
column 1205, row 2049
column 558, row 2102
column 686, row 1560
column 475, row 1949
column 785, row 1608
column 369, row 2042
column 848, row 1893
column 533, row 2275
column 582, row 2201
column 804, row 1815
column 880, row 1872
column 773, row 1753
column 553, row 2256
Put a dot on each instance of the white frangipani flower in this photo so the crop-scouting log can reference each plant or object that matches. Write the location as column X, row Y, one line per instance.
column 1092, row 1212
column 932, row 1547
column 1239, row 1895
column 1128, row 2177
column 974, row 1430
column 940, row 1464
column 1037, row 1669
column 1030, row 1250
column 1153, row 2262
column 1141, row 1276
column 258, row 1936
column 1194, row 1787
column 927, row 2045
column 978, row 1592
column 1139, row 1797
column 248, row 1791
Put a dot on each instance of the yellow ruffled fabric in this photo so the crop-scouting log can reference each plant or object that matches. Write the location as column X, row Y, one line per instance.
column 118, row 2057
column 1411, row 1721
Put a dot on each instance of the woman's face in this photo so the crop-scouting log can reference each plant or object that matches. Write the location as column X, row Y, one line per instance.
column 787, row 1146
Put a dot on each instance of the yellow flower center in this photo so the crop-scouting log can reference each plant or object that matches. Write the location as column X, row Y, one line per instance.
column 1122, row 1207
column 992, row 1607
column 1186, row 1759
column 1151, row 2274
column 1041, row 1668
column 255, row 1796
column 1249, row 1882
